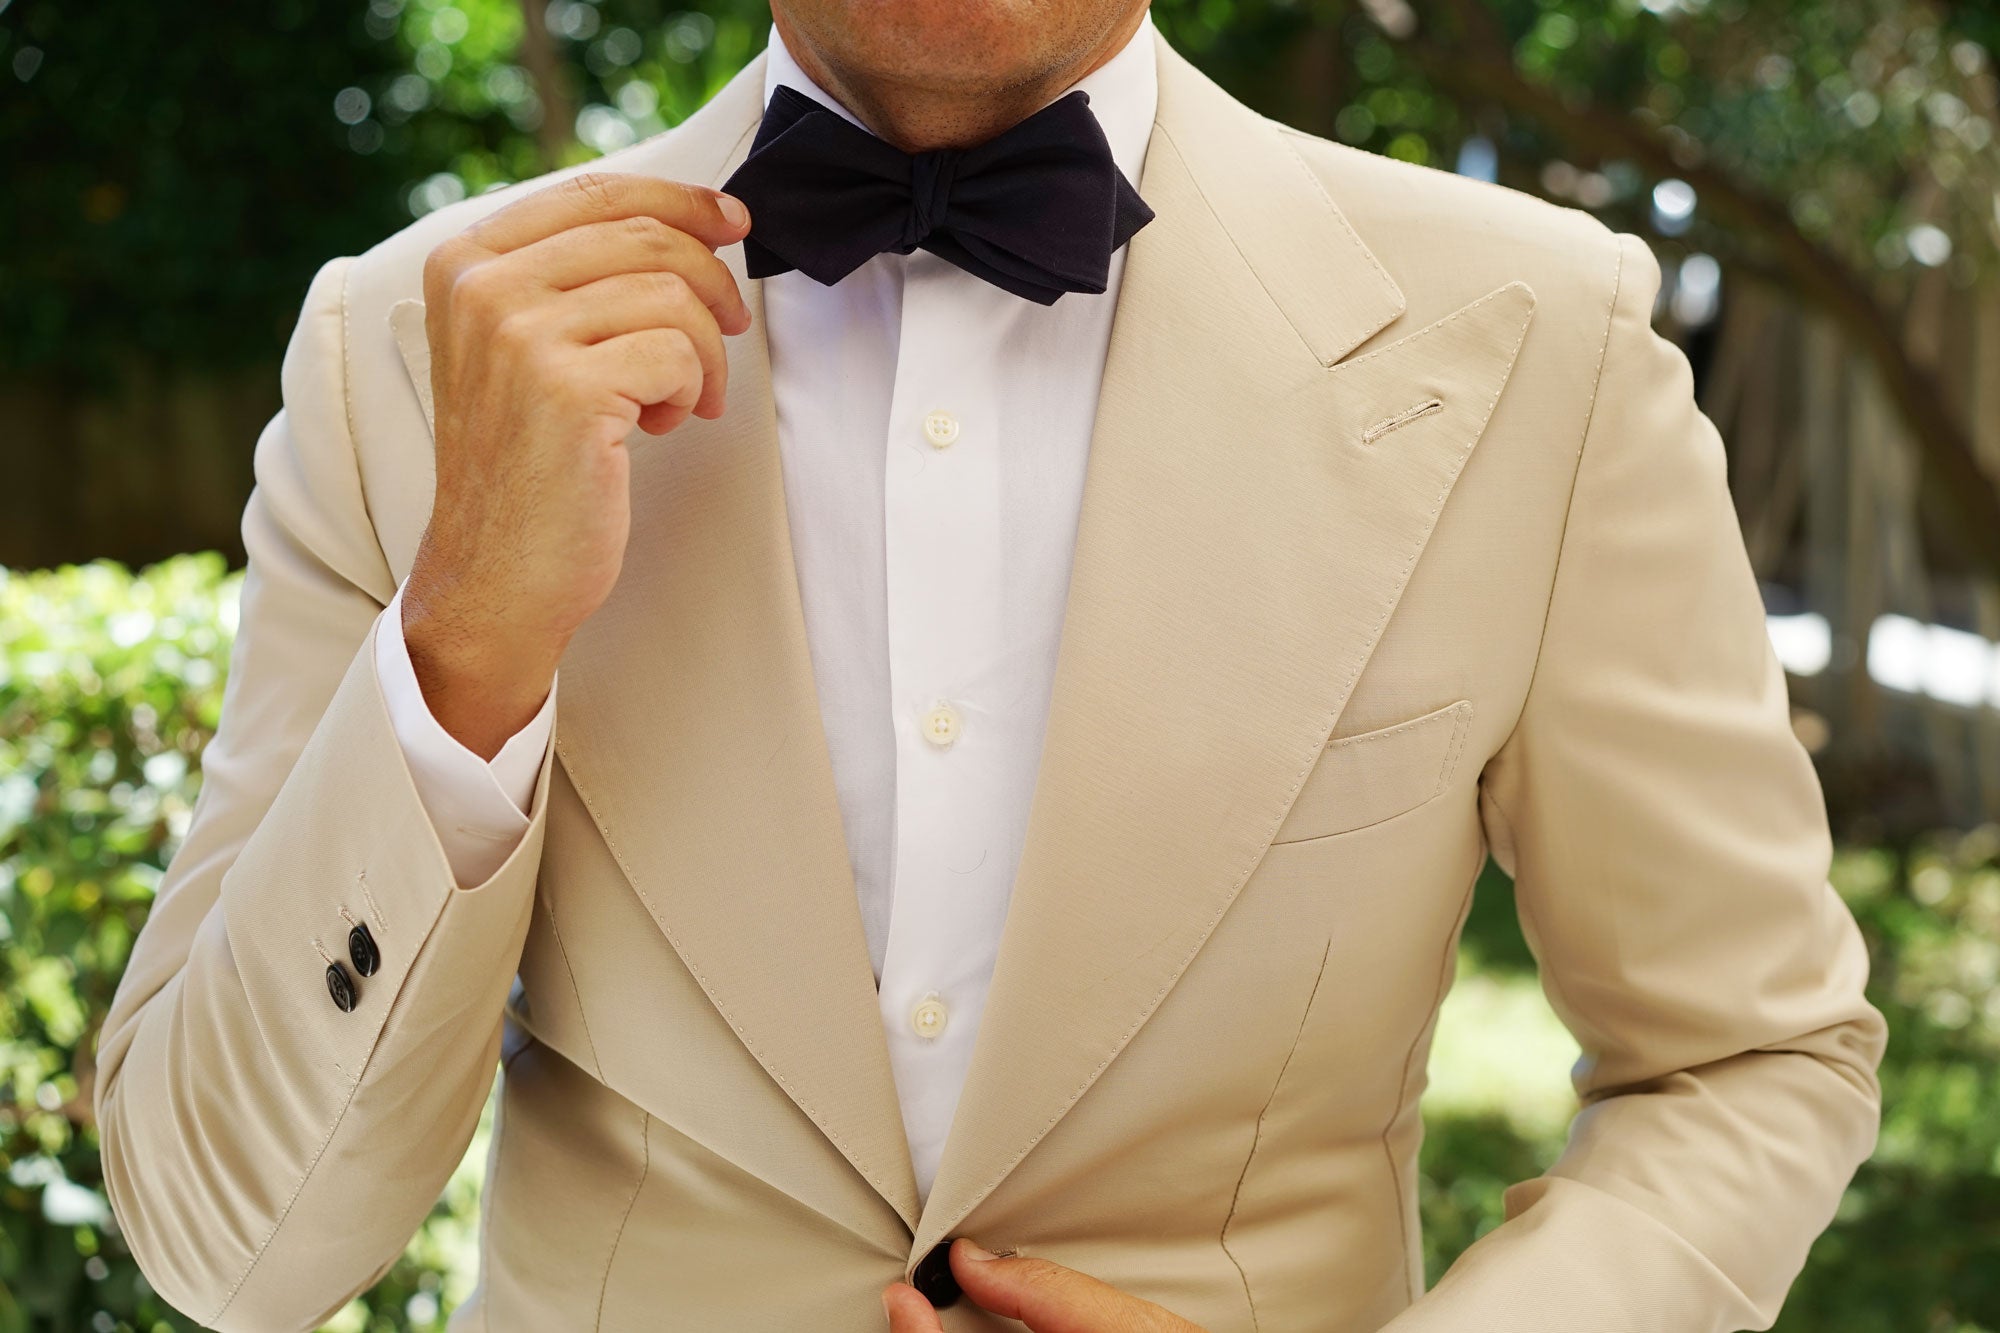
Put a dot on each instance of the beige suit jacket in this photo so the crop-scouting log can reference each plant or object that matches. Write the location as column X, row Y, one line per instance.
column 1403, row 541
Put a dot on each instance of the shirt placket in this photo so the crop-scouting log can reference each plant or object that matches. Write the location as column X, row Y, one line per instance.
column 942, row 552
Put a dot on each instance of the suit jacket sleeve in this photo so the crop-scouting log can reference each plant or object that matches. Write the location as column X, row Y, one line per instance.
column 1670, row 851
column 266, row 1154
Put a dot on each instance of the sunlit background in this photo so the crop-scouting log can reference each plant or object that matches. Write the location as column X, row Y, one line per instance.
column 1820, row 180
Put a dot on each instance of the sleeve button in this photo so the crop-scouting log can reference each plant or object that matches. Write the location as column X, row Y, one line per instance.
column 341, row 987
column 361, row 948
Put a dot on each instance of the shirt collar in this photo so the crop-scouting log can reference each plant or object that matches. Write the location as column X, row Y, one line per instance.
column 1124, row 93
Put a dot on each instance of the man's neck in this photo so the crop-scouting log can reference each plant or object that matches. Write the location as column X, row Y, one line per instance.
column 918, row 118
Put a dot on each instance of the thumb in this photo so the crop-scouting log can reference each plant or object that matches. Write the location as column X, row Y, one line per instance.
column 1050, row 1298
column 908, row 1311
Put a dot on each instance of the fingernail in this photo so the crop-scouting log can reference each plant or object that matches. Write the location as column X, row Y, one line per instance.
column 972, row 1251
column 732, row 209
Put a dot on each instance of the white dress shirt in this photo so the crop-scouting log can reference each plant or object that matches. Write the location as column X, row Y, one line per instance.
column 933, row 432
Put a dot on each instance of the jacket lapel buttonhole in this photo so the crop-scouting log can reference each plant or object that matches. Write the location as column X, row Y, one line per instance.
column 1402, row 418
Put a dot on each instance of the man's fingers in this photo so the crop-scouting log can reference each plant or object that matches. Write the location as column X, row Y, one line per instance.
column 659, row 418
column 1045, row 1296
column 711, row 217
column 908, row 1311
column 1049, row 1298
column 650, row 366
column 633, row 302
column 592, row 251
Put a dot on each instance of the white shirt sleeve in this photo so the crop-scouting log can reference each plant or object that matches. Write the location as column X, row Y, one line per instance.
column 477, row 808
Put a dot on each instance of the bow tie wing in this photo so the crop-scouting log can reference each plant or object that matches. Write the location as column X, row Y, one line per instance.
column 824, row 195
column 1040, row 209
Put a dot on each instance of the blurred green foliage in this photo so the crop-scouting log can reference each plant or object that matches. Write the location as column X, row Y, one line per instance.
column 168, row 188
column 111, row 683
column 108, row 689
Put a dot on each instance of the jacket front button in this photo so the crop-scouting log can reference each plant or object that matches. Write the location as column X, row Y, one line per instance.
column 341, row 987
column 361, row 948
column 933, row 1278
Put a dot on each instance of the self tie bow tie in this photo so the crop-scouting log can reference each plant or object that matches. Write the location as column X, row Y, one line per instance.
column 1036, row 211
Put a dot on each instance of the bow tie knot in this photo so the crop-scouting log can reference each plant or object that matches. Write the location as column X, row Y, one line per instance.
column 1037, row 210
column 930, row 195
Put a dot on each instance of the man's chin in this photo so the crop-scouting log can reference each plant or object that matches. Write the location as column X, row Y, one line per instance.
column 959, row 48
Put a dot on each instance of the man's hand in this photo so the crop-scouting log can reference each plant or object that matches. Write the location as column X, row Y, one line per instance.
column 556, row 325
column 1045, row 1296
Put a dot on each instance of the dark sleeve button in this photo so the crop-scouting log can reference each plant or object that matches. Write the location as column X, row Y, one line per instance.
column 341, row 987
column 933, row 1278
column 361, row 948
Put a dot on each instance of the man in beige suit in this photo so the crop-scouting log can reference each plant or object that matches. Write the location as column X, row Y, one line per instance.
column 1398, row 540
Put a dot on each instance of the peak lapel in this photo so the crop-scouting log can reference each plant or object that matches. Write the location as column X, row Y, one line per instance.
column 689, row 722
column 1247, row 529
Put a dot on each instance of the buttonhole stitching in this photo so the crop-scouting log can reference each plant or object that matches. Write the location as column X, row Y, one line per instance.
column 381, row 919
column 1402, row 418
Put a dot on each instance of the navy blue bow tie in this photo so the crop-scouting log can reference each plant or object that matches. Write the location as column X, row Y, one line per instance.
column 1036, row 211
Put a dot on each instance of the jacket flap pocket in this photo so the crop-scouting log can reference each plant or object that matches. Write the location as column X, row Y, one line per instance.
column 1377, row 775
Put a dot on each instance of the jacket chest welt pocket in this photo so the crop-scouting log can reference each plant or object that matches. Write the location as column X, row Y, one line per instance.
column 1376, row 775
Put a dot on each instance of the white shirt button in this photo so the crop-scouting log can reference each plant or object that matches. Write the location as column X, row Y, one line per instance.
column 940, row 428
column 941, row 725
column 928, row 1019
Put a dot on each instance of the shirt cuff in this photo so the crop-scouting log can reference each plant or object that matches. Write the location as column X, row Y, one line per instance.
column 477, row 808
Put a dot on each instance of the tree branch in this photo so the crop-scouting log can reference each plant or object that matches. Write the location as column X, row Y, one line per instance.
column 538, row 55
